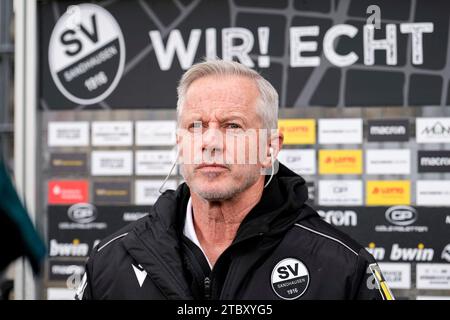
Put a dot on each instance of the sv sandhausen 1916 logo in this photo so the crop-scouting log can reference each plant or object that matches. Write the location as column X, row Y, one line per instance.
column 86, row 54
column 290, row 279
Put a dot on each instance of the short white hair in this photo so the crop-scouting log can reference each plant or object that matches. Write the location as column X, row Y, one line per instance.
column 267, row 107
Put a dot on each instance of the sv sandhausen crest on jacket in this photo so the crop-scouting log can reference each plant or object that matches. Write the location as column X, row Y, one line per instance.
column 290, row 279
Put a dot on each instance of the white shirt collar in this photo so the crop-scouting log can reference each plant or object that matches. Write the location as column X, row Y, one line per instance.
column 189, row 230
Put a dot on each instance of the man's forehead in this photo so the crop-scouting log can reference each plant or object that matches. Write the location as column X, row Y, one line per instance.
column 234, row 93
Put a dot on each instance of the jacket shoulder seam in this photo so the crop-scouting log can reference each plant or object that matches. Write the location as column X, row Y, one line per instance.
column 328, row 237
column 112, row 240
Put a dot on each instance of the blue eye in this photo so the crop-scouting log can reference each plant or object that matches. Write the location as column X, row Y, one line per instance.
column 233, row 126
column 195, row 125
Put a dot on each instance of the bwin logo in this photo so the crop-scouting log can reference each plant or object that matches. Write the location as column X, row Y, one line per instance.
column 340, row 218
column 290, row 279
column 74, row 249
column 446, row 253
column 411, row 254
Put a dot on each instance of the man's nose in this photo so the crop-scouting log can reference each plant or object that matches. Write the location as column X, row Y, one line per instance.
column 212, row 139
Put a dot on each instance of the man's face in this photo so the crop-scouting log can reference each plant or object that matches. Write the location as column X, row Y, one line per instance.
column 217, row 108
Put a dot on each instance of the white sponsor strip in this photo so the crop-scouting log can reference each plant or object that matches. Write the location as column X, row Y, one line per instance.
column 301, row 161
column 68, row 134
column 154, row 162
column 147, row 191
column 112, row 163
column 433, row 276
column 155, row 133
column 60, row 294
column 397, row 275
column 340, row 192
column 433, row 298
column 388, row 161
column 340, row 131
column 433, row 193
column 112, row 133
column 433, row 130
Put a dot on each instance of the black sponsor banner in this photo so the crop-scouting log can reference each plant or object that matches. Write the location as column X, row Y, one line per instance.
column 311, row 61
column 112, row 192
column 433, row 161
column 61, row 270
column 388, row 130
column 398, row 233
column 74, row 230
column 68, row 163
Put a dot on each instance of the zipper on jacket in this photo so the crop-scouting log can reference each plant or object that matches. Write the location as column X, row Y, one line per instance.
column 207, row 288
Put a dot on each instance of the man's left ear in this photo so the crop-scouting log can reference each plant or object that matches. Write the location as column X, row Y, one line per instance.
column 273, row 150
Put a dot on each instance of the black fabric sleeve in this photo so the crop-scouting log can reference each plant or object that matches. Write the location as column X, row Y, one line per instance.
column 369, row 283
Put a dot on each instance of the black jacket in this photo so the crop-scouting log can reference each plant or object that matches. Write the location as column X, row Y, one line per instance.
column 282, row 250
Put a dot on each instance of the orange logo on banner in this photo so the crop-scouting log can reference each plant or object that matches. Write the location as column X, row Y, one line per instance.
column 340, row 161
column 393, row 192
column 298, row 131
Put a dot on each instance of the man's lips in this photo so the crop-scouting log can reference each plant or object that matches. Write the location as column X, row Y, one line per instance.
column 211, row 166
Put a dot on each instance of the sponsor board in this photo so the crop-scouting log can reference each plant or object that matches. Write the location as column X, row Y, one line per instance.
column 433, row 161
column 388, row 192
column 433, row 130
column 68, row 163
column 112, row 133
column 340, row 131
column 112, row 163
column 67, row 191
column 112, row 192
column 388, row 161
column 433, row 298
column 82, row 216
column 398, row 252
column 147, row 191
column 61, row 270
column 388, row 130
column 154, row 162
column 397, row 275
column 68, row 134
column 301, row 161
column 414, row 229
column 433, row 193
column 434, row 276
column 75, row 230
column 86, row 54
column 298, row 131
column 401, row 219
column 340, row 162
column 60, row 294
column 71, row 249
column 155, row 133
column 339, row 217
column 340, row 193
